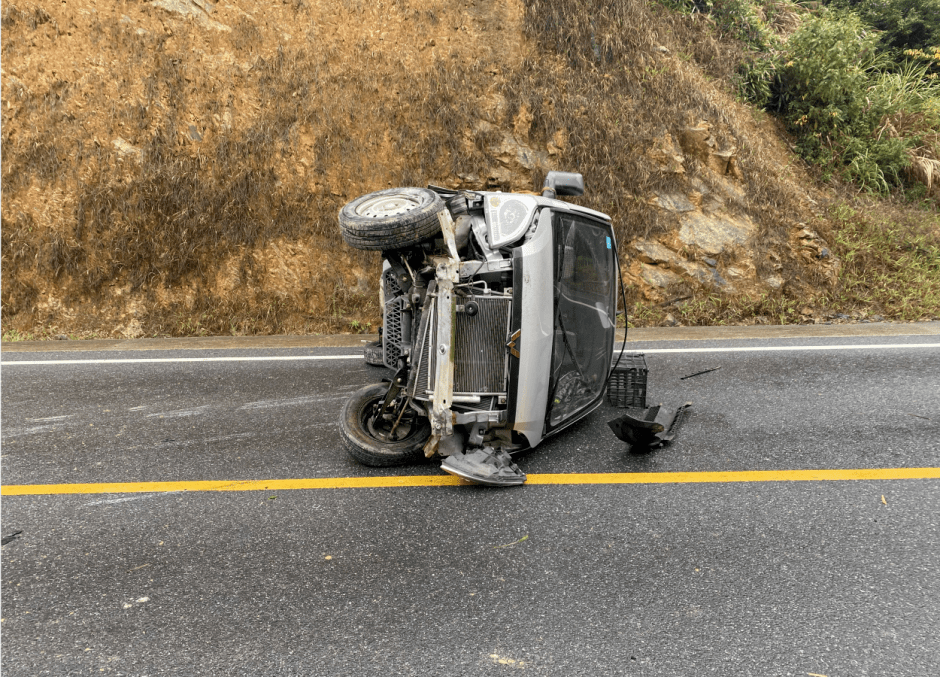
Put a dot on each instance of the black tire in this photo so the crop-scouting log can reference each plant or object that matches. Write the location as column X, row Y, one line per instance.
column 374, row 354
column 365, row 447
column 391, row 219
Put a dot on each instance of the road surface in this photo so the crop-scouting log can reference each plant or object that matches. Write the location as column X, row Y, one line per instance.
column 791, row 529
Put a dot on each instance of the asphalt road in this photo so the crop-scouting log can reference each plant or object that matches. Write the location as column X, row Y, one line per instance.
column 658, row 578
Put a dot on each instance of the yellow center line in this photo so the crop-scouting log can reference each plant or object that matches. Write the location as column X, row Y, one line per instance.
column 824, row 475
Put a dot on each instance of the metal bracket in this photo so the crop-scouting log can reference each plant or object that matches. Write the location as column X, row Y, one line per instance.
column 446, row 275
column 480, row 417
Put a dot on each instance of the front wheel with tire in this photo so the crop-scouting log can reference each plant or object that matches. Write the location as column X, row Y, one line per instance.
column 391, row 219
column 369, row 438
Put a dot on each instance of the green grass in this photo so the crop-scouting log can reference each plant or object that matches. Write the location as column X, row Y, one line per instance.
column 14, row 335
column 890, row 265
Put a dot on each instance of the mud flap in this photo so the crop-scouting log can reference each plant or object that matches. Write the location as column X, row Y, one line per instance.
column 649, row 428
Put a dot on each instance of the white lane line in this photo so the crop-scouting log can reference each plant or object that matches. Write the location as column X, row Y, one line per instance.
column 260, row 358
column 51, row 418
column 647, row 351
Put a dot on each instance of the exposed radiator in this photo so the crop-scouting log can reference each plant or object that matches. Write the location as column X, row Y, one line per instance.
column 480, row 354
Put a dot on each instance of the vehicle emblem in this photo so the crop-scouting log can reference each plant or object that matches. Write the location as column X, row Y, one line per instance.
column 494, row 201
column 512, row 343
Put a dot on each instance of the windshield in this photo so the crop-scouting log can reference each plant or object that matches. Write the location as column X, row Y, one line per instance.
column 584, row 315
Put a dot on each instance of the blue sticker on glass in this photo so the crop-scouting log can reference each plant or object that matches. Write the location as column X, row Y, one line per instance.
column 608, row 243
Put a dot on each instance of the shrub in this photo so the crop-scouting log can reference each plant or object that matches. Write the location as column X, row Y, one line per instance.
column 854, row 111
column 905, row 24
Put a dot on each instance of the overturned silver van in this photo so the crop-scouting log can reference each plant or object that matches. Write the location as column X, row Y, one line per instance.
column 498, row 322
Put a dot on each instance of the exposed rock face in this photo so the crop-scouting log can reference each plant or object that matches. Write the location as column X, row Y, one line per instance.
column 698, row 142
column 676, row 203
column 658, row 277
column 714, row 234
column 705, row 275
column 195, row 154
column 649, row 251
column 197, row 9
column 710, row 245
column 814, row 249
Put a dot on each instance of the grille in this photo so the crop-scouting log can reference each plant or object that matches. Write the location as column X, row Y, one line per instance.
column 390, row 284
column 392, row 334
column 479, row 349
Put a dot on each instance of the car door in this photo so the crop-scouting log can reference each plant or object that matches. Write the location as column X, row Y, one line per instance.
column 584, row 317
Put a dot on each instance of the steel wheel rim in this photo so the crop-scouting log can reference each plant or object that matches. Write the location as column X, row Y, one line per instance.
column 384, row 206
column 405, row 428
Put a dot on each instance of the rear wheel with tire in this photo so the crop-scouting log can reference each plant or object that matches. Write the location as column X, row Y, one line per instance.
column 369, row 439
column 391, row 219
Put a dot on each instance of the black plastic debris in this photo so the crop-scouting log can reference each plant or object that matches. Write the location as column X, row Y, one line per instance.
column 699, row 373
column 649, row 428
column 7, row 539
column 486, row 466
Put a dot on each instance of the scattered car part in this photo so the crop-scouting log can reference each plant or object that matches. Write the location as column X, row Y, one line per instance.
column 626, row 386
column 11, row 537
column 374, row 354
column 485, row 465
column 649, row 428
column 699, row 373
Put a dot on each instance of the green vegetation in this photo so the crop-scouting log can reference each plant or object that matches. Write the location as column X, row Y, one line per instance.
column 855, row 112
column 856, row 84
column 890, row 261
column 14, row 335
column 904, row 24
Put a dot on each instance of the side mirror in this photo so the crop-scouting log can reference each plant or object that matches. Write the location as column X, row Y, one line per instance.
column 563, row 183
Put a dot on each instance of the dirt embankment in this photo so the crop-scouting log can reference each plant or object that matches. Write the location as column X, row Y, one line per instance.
column 174, row 167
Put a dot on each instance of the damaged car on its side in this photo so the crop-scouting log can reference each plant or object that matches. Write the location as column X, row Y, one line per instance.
column 499, row 314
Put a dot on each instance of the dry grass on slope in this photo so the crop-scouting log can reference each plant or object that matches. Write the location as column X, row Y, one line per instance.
column 161, row 176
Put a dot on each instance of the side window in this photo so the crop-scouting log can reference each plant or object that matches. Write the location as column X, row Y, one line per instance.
column 584, row 315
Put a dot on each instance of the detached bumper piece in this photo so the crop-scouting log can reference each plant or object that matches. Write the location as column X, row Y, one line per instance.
column 485, row 466
column 649, row 428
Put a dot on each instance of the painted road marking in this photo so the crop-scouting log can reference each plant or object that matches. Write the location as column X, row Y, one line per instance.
column 824, row 475
column 765, row 349
column 258, row 358
column 647, row 351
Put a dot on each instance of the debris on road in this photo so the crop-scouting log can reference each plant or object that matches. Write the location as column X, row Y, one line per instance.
column 497, row 547
column 648, row 428
column 7, row 539
column 485, row 465
column 626, row 385
column 699, row 373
